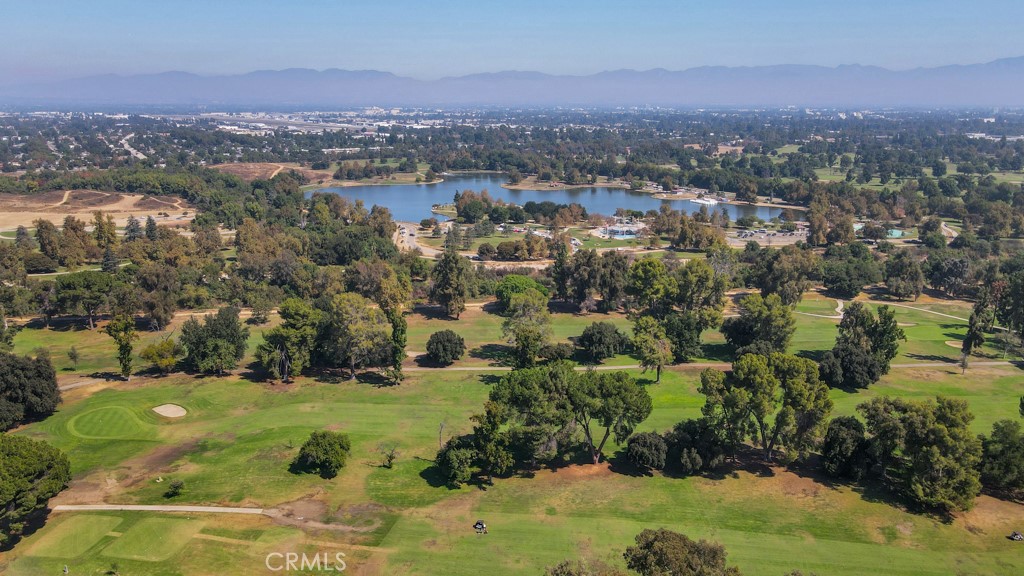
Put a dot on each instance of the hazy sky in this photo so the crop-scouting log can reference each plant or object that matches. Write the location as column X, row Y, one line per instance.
column 48, row 39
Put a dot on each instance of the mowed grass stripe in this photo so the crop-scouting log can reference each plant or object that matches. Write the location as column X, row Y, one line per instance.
column 154, row 539
column 74, row 536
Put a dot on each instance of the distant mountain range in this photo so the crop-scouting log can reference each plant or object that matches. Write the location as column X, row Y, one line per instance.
column 997, row 83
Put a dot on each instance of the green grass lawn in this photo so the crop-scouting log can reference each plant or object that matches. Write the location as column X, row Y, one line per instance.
column 236, row 443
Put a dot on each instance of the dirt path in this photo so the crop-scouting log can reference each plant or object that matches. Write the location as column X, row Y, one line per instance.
column 141, row 508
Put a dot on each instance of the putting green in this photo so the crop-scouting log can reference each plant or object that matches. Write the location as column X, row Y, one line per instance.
column 74, row 536
column 154, row 539
column 106, row 423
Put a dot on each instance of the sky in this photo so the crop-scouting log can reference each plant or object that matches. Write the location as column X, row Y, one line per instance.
column 46, row 40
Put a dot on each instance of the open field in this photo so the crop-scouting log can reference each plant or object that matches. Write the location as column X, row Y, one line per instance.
column 23, row 209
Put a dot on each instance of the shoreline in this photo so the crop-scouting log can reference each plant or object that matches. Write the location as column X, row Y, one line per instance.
column 759, row 203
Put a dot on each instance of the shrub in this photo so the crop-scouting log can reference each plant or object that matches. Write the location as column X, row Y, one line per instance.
column 445, row 347
column 37, row 263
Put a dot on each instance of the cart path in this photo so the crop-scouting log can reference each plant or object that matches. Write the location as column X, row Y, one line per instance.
column 141, row 508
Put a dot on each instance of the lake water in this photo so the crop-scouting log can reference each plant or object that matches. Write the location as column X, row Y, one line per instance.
column 412, row 202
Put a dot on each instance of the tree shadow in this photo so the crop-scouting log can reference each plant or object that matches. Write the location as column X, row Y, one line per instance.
column 496, row 354
column 432, row 312
column 621, row 465
column 425, row 361
column 932, row 358
column 815, row 355
column 721, row 351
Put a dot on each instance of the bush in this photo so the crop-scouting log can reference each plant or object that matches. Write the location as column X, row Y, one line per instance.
column 445, row 347
column 174, row 489
column 602, row 340
column 325, row 453
column 647, row 450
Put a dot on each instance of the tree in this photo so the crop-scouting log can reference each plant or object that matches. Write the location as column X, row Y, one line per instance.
column 651, row 345
column 864, row 347
column 325, row 452
column 847, row 269
column 1010, row 304
column 763, row 325
column 777, row 400
column 1002, row 462
column 152, row 234
column 982, row 317
column 48, row 238
column 650, row 286
column 451, row 283
column 378, row 281
column 613, row 401
column 216, row 344
column 515, row 284
column 647, row 450
column 132, row 229
column 903, row 275
column 611, row 283
column 925, row 451
column 584, row 278
column 357, row 333
column 528, row 325
column 455, row 460
column 104, row 230
column 32, row 473
column 84, row 292
column 122, row 329
column 697, row 445
column 701, row 292
column 163, row 355
column 73, row 356
column 28, row 389
column 602, row 340
column 844, row 451
column 445, row 347
column 561, row 271
column 786, row 272
column 665, row 553
column 287, row 349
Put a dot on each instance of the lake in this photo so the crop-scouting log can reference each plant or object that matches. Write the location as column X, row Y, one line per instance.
column 412, row 202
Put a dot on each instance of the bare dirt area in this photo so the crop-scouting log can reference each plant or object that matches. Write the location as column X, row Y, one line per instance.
column 250, row 171
column 22, row 209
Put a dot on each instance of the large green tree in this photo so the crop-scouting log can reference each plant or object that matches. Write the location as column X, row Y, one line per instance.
column 451, row 282
column 527, row 326
column 287, row 349
column 85, row 292
column 864, row 347
column 122, row 329
column 609, row 401
column 28, row 389
column 778, row 400
column 662, row 552
column 216, row 344
column 925, row 450
column 357, row 333
column 31, row 472
column 764, row 325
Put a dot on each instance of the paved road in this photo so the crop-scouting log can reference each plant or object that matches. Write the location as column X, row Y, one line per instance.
column 138, row 508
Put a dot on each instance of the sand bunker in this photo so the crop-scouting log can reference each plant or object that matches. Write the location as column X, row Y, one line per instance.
column 954, row 343
column 170, row 410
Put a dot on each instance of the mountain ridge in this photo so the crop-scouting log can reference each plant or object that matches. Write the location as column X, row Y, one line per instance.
column 996, row 83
